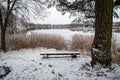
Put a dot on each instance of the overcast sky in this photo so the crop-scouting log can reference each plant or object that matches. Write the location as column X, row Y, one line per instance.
column 55, row 17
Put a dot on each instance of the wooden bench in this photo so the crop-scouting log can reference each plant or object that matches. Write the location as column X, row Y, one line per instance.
column 73, row 54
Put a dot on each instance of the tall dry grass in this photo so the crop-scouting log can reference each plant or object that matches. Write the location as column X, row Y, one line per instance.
column 115, row 45
column 79, row 42
column 20, row 41
column 116, row 58
column 82, row 42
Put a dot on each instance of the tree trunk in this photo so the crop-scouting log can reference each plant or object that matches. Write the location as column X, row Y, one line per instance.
column 101, row 47
column 3, row 29
column 3, row 40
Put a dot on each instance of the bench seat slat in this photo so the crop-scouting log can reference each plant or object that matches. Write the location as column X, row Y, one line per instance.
column 60, row 54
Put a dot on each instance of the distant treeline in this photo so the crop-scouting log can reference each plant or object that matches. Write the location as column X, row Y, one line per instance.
column 31, row 26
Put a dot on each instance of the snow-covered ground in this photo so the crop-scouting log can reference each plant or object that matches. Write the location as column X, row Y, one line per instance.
column 30, row 65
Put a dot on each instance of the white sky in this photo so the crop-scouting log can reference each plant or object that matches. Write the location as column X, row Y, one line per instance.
column 56, row 17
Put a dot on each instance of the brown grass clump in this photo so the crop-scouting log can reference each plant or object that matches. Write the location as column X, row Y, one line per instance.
column 81, row 42
column 35, row 40
column 116, row 58
column 17, row 41
column 77, row 42
column 88, row 42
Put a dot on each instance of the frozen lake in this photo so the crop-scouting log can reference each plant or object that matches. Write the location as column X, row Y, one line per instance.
column 67, row 34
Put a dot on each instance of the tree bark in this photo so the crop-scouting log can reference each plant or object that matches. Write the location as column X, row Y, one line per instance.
column 101, row 47
column 3, row 29
column 3, row 40
column 4, row 23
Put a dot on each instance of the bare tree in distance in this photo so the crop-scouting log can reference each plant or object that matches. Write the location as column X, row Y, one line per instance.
column 23, row 9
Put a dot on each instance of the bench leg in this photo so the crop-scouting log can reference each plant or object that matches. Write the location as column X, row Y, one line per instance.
column 47, row 56
column 74, row 56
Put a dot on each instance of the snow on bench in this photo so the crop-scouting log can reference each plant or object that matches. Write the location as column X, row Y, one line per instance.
column 73, row 54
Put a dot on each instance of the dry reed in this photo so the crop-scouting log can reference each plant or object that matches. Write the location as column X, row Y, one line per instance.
column 35, row 40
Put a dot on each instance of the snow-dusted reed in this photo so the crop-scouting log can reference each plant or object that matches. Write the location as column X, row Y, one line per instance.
column 82, row 42
column 20, row 41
